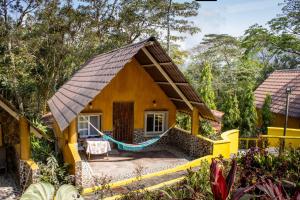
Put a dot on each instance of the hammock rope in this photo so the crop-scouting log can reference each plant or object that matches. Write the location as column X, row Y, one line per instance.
column 132, row 147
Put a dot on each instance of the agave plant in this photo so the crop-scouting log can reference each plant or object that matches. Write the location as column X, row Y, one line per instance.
column 46, row 191
column 220, row 186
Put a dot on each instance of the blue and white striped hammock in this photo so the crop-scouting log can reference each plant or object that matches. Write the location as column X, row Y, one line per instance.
column 131, row 147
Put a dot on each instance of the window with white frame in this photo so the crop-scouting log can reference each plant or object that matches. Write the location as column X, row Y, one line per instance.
column 84, row 128
column 155, row 122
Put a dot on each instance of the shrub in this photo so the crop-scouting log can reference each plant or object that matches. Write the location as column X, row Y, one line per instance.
column 266, row 114
column 55, row 172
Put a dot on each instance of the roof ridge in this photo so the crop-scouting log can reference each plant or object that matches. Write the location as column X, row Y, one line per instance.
column 125, row 46
column 287, row 70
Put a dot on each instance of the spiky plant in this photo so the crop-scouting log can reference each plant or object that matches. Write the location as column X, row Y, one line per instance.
column 220, row 186
column 46, row 191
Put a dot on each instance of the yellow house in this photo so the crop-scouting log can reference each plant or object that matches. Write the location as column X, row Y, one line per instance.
column 131, row 93
column 275, row 85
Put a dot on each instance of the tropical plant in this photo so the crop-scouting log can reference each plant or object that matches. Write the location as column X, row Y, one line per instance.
column 231, row 111
column 55, row 172
column 206, row 128
column 248, row 112
column 183, row 120
column 205, row 89
column 266, row 114
column 46, row 191
column 220, row 186
column 258, row 164
column 266, row 189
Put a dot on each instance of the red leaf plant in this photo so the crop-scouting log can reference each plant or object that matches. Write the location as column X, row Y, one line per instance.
column 270, row 191
column 219, row 185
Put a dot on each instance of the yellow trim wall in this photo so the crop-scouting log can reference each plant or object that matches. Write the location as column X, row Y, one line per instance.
column 131, row 84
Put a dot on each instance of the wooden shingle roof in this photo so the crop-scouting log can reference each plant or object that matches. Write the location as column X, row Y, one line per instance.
column 97, row 73
column 276, row 85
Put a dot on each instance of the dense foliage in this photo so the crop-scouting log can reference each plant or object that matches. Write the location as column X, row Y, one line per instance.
column 206, row 90
column 266, row 114
column 43, row 42
column 53, row 170
column 231, row 118
column 257, row 175
column 238, row 62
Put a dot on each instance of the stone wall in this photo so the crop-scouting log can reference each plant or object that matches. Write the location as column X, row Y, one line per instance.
column 188, row 143
column 79, row 174
column 28, row 173
column 184, row 140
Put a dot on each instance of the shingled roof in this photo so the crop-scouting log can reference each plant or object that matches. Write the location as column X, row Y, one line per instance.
column 276, row 85
column 97, row 73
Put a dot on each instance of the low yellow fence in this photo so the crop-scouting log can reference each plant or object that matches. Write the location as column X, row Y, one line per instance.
column 273, row 139
column 275, row 135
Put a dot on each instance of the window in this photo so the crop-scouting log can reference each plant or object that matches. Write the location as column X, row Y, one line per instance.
column 84, row 128
column 155, row 122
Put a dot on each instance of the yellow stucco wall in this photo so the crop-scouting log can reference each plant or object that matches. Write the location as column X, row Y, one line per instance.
column 133, row 84
column 279, row 120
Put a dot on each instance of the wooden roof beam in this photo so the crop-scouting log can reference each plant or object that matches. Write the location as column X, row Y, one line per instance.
column 158, row 66
column 193, row 102
column 9, row 110
column 167, row 83
column 153, row 65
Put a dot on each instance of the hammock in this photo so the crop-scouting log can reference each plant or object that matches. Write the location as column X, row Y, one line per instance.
column 131, row 147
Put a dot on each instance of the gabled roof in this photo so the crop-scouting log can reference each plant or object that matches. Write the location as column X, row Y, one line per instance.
column 97, row 73
column 276, row 85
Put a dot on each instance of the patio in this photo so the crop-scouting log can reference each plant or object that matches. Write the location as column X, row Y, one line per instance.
column 120, row 165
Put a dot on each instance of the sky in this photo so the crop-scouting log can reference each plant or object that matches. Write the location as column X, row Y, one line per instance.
column 231, row 17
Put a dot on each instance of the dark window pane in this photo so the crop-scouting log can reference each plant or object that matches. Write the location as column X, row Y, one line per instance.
column 150, row 118
column 94, row 120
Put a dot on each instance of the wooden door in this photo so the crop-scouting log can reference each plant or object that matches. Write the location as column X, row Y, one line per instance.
column 123, row 121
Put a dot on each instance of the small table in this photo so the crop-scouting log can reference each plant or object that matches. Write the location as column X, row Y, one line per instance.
column 97, row 146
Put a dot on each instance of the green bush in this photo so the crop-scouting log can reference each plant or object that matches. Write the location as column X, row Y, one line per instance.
column 55, row 172
column 208, row 131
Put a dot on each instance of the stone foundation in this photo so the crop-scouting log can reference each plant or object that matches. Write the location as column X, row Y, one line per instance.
column 27, row 175
column 188, row 143
column 78, row 174
column 184, row 140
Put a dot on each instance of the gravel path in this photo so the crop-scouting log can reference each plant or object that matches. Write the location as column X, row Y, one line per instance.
column 9, row 190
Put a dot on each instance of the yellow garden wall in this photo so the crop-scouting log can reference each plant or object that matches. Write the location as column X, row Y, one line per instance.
column 133, row 84
column 276, row 131
column 227, row 146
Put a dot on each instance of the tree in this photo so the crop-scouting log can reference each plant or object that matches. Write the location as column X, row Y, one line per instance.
column 42, row 43
column 248, row 112
column 205, row 89
column 266, row 114
column 231, row 118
